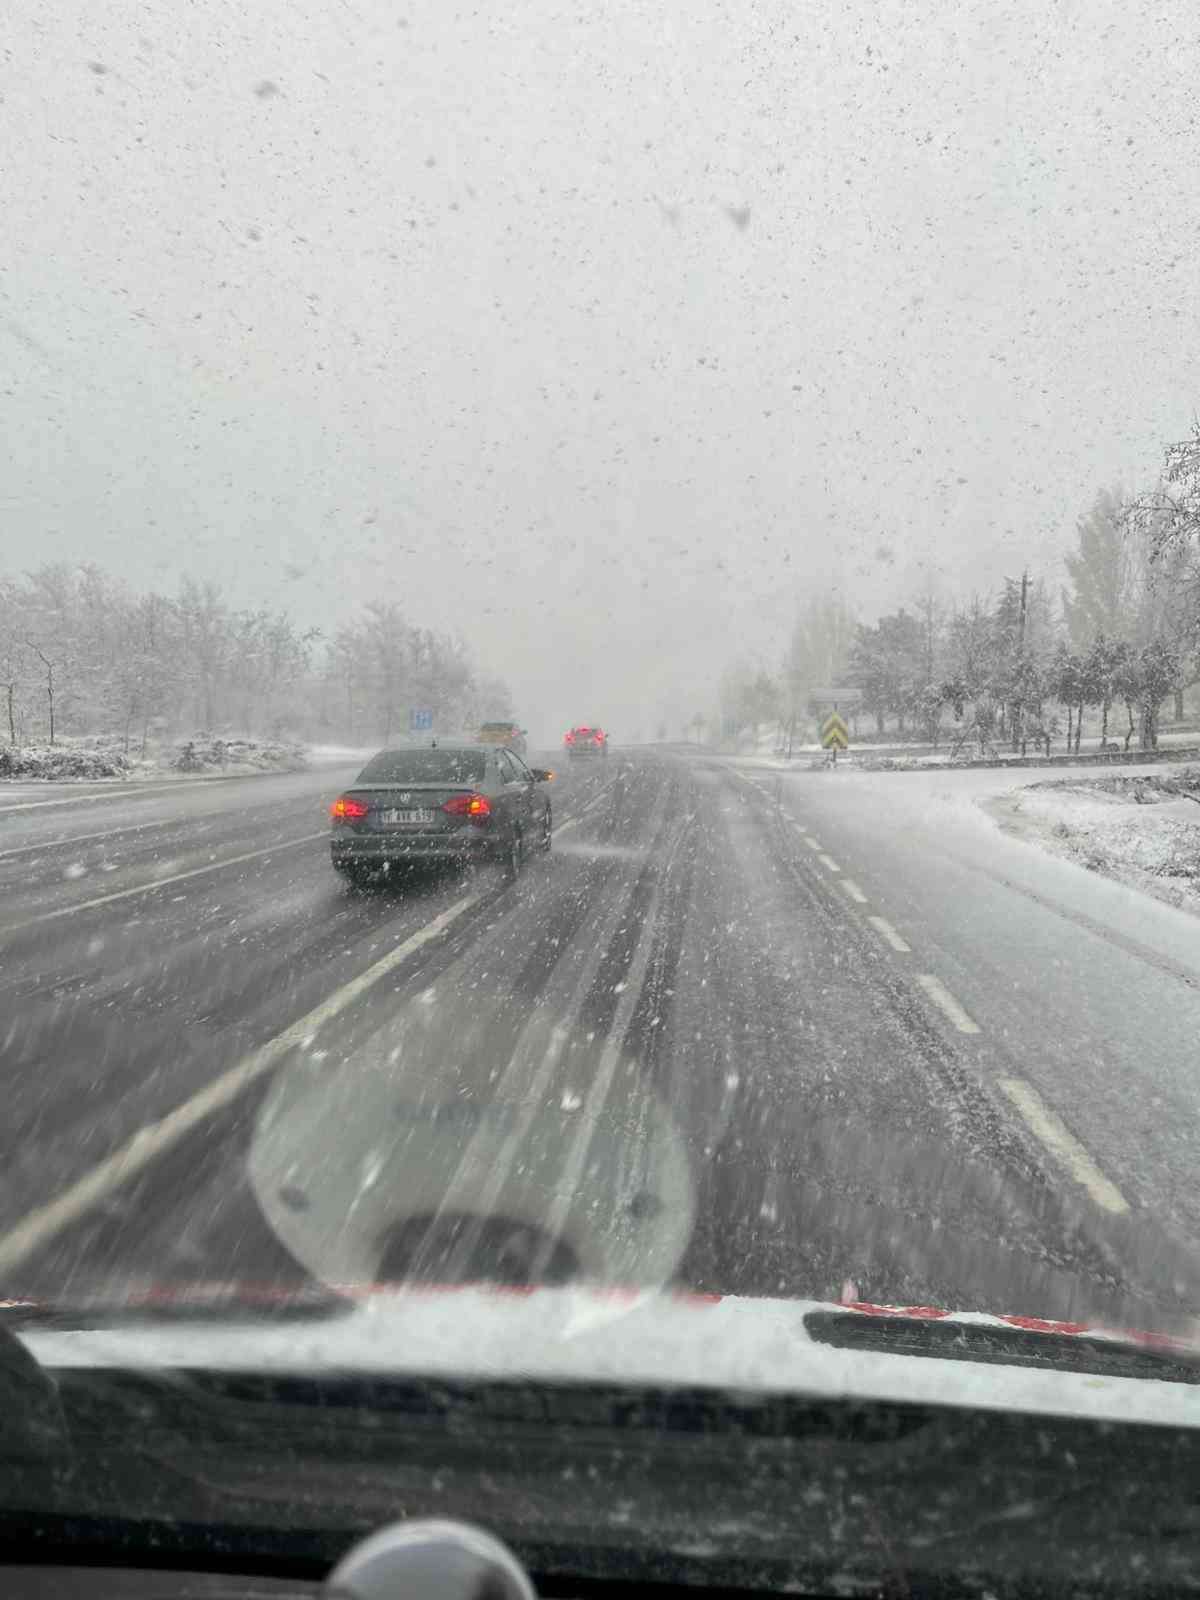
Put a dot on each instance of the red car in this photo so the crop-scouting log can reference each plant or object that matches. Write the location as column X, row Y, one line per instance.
column 584, row 741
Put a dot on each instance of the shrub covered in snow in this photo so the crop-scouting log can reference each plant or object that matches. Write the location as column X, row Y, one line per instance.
column 206, row 753
column 58, row 762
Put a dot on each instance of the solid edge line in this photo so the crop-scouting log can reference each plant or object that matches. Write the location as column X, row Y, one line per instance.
column 153, row 1140
column 883, row 927
column 159, row 883
column 947, row 1004
column 1063, row 1145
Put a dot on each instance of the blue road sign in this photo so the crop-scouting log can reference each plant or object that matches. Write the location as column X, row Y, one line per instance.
column 420, row 721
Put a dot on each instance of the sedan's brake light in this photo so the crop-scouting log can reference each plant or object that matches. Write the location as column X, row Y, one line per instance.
column 568, row 738
column 475, row 806
column 347, row 809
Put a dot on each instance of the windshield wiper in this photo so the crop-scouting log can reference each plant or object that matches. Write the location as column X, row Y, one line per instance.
column 1047, row 1350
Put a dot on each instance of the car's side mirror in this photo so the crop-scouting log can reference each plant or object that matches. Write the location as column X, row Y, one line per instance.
column 542, row 775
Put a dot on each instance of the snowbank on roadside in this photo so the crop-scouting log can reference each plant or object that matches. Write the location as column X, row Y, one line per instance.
column 1141, row 828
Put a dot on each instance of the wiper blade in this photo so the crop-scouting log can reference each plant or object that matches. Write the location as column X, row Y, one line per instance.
column 1007, row 1343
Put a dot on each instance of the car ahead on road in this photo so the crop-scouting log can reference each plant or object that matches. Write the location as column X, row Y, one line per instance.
column 440, row 803
column 584, row 741
column 506, row 735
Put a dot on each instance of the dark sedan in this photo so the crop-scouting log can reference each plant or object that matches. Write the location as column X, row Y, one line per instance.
column 435, row 803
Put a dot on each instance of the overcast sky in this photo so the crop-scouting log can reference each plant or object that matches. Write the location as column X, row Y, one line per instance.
column 604, row 331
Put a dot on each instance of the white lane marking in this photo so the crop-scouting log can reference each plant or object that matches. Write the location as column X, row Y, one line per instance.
column 828, row 862
column 153, row 1140
column 946, row 1003
column 571, row 822
column 125, row 791
column 1063, row 1145
column 67, row 841
column 88, row 838
column 159, row 883
column 854, row 891
column 596, row 798
column 882, row 926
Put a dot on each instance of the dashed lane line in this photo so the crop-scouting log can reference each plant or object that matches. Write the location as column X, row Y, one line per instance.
column 884, row 928
column 159, row 883
column 947, row 1004
column 828, row 862
column 1043, row 1123
column 1063, row 1145
column 155, row 1139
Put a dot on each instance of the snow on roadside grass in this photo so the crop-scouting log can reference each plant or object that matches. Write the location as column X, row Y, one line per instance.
column 204, row 753
column 99, row 757
column 60, row 764
column 1143, row 829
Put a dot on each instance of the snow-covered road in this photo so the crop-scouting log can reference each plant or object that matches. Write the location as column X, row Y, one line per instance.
column 1084, row 987
column 863, row 1043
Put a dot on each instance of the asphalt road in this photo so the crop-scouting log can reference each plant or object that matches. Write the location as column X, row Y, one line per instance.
column 821, row 1035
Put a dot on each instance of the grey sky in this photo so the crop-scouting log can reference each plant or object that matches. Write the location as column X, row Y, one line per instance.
column 606, row 331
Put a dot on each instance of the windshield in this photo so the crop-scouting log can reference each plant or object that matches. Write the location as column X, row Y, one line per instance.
column 425, row 766
column 808, row 392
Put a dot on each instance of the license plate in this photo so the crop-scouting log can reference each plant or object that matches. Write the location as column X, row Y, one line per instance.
column 412, row 817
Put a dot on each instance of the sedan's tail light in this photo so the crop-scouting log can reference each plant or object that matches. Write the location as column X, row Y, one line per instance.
column 568, row 738
column 347, row 809
column 476, row 807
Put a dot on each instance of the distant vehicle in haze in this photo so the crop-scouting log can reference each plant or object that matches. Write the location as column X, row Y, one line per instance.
column 585, row 741
column 440, row 803
column 505, row 734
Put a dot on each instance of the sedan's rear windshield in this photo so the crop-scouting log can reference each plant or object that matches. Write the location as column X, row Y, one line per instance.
column 425, row 766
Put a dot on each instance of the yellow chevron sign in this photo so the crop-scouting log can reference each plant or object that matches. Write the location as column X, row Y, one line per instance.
column 834, row 733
